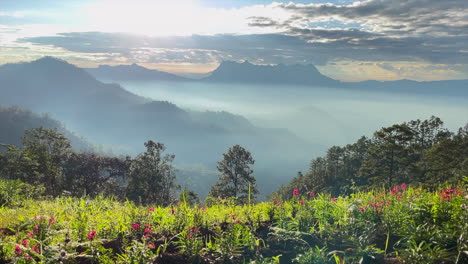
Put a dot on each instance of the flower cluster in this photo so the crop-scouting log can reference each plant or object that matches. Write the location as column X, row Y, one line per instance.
column 398, row 188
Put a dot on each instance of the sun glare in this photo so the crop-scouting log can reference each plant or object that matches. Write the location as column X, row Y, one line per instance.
column 151, row 17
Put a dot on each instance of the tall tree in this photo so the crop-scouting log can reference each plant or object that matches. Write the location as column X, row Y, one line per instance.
column 46, row 150
column 152, row 176
column 235, row 175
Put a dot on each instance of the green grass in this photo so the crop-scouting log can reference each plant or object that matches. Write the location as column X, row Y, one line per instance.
column 413, row 225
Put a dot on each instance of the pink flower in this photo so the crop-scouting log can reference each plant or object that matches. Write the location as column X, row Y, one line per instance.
column 196, row 230
column 27, row 257
column 92, row 235
column 312, row 194
column 151, row 209
column 296, row 192
column 403, row 186
column 233, row 217
column 400, row 197
column 277, row 202
column 25, row 243
column 18, row 250
column 52, row 221
column 362, row 209
column 301, row 202
column 151, row 245
column 36, row 249
column 148, row 231
column 333, row 200
column 30, row 234
column 136, row 226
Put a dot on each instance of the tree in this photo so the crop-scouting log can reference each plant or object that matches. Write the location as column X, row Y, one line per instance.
column 152, row 176
column 235, row 176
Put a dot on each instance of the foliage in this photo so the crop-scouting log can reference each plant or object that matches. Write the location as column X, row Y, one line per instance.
column 152, row 176
column 415, row 152
column 235, row 176
column 408, row 224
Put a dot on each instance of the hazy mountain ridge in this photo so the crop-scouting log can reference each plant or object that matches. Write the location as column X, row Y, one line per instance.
column 14, row 121
column 303, row 75
column 246, row 72
column 111, row 116
column 132, row 72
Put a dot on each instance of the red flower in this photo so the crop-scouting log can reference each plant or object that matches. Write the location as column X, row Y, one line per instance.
column 362, row 209
column 312, row 194
column 296, row 192
column 277, row 202
column 400, row 197
column 30, row 234
column 233, row 217
column 36, row 249
column 196, row 230
column 301, row 202
column 148, row 231
column 403, row 186
column 151, row 245
column 18, row 250
column 172, row 210
column 151, row 209
column 52, row 221
column 25, row 243
column 92, row 235
column 36, row 229
column 136, row 226
column 333, row 200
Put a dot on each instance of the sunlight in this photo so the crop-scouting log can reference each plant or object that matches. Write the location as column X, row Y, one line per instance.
column 152, row 17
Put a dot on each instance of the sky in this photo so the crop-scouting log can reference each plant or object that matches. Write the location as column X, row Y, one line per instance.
column 347, row 40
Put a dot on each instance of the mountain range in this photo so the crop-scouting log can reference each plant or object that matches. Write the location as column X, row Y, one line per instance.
column 108, row 115
column 303, row 75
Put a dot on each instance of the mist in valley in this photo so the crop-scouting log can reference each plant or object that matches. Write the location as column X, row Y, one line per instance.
column 319, row 115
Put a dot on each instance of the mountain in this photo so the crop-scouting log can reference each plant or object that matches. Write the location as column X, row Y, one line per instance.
column 108, row 115
column 14, row 121
column 132, row 72
column 246, row 72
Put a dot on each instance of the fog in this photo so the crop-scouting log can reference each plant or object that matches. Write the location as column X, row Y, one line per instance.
column 320, row 115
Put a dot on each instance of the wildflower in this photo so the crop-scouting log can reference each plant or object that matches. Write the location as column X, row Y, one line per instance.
column 18, row 250
column 36, row 229
column 296, row 192
column 301, row 202
column 333, row 200
column 233, row 217
column 52, row 221
column 25, row 243
column 277, row 202
column 92, row 235
column 189, row 235
column 400, row 197
column 135, row 226
column 36, row 249
column 403, row 186
column 30, row 234
column 362, row 209
column 312, row 194
column 151, row 245
column 27, row 257
column 148, row 231
column 196, row 230
column 151, row 209
column 172, row 210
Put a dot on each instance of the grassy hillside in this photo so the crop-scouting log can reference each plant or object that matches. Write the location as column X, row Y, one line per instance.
column 382, row 226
